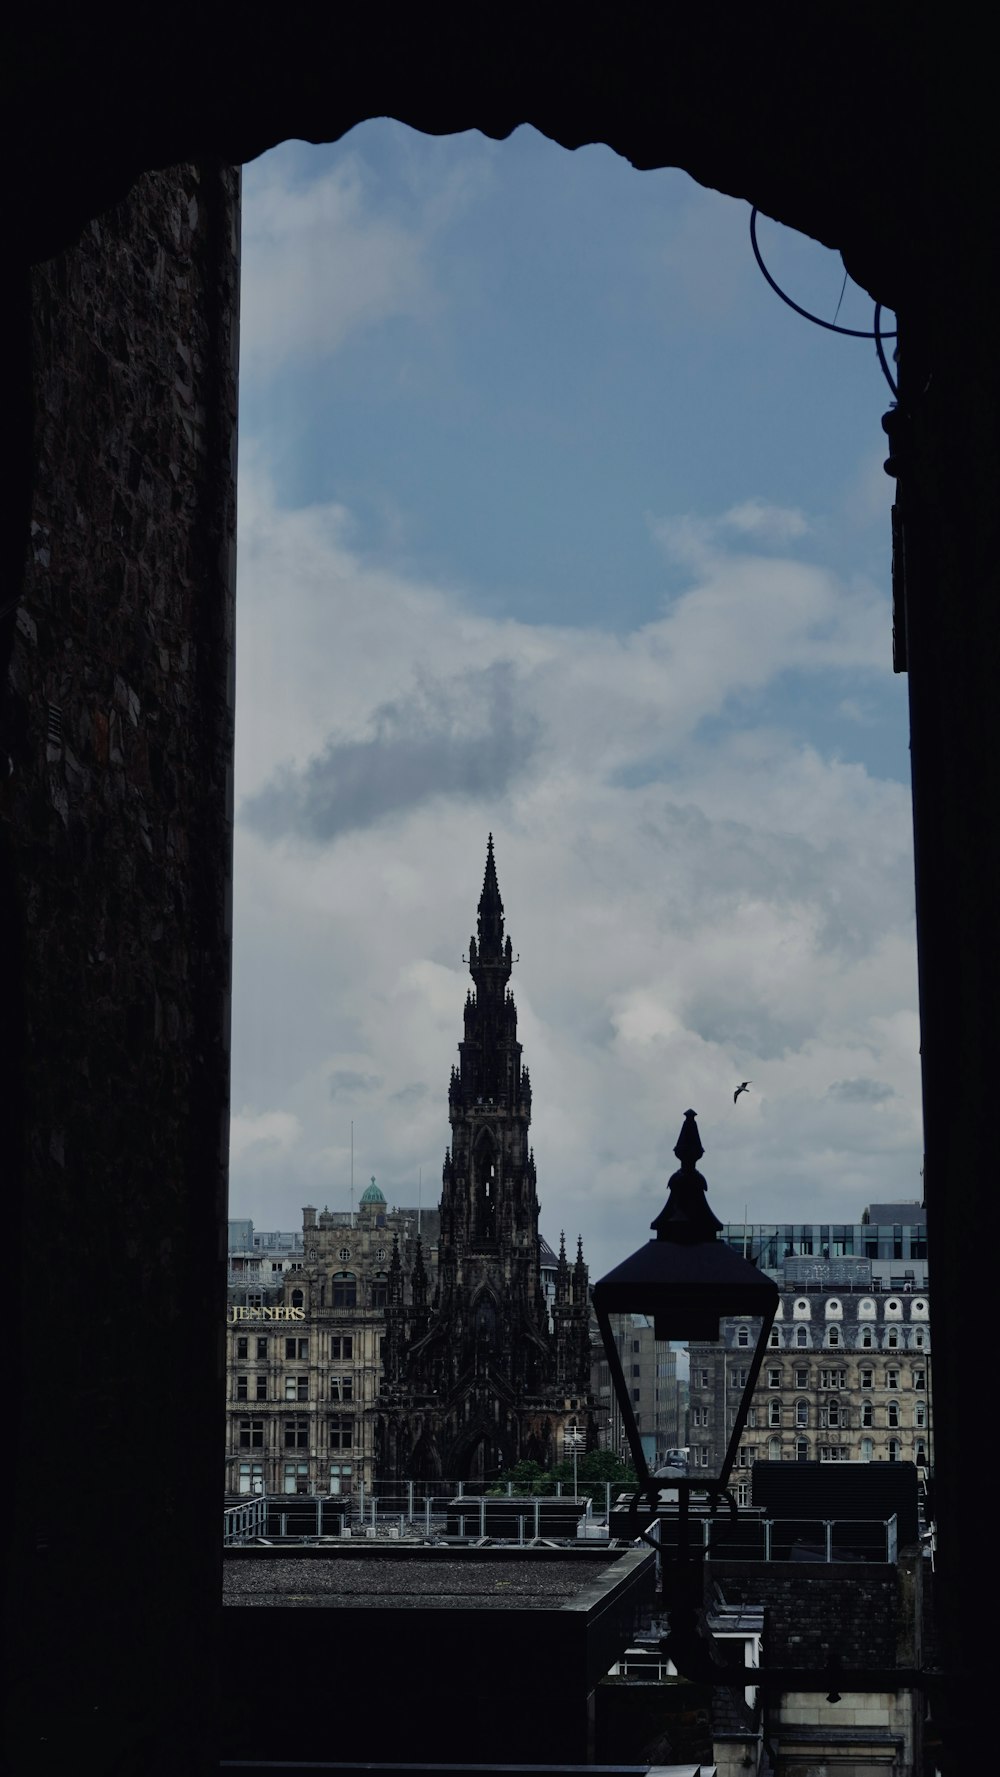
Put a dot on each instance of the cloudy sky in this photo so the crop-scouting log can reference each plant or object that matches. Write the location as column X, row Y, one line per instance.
column 555, row 522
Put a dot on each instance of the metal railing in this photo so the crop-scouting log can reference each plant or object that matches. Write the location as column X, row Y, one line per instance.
column 244, row 1522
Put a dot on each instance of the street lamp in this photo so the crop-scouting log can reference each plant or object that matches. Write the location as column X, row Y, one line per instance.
column 575, row 1436
column 685, row 1279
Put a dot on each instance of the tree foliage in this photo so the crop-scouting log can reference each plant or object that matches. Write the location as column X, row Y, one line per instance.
column 593, row 1471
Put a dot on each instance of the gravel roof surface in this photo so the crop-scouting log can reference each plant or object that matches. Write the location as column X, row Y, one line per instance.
column 414, row 1584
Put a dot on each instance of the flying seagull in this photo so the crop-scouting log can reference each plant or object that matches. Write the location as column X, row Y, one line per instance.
column 740, row 1089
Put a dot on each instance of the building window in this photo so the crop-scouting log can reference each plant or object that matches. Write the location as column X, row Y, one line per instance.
column 867, row 1413
column 636, row 1371
column 743, row 1460
column 775, row 1338
column 341, row 1388
column 297, row 1349
column 340, row 1477
column 893, row 1411
column 752, row 1417
column 833, row 1336
column 833, row 1379
column 774, row 1450
column 920, row 1414
column 801, row 1336
column 831, row 1413
column 918, row 1338
column 251, row 1434
column 296, row 1388
column 920, row 1453
column 774, row 1378
column 892, row 1378
column 341, row 1347
column 802, row 1449
column 345, row 1289
column 296, row 1434
column 867, row 1378
column 241, row 1388
column 704, row 1378
column 297, row 1298
column 635, row 1345
column 893, row 1449
column 251, row 1477
column 920, row 1378
column 802, row 1378
column 774, row 1412
column 743, row 1336
column 242, row 1347
column 892, row 1338
column 867, row 1338
column 802, row 1412
column 834, row 1453
column 344, row 1254
column 261, row 1388
column 261, row 1349
column 742, row 1494
column 379, row 1291
column 867, row 1449
column 340, row 1432
column 703, row 1456
column 296, row 1477
column 635, row 1394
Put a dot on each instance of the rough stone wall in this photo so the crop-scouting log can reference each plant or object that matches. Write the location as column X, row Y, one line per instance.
column 120, row 818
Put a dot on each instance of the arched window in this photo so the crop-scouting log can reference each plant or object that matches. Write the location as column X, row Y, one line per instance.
column 892, row 1338
column 743, row 1336
column 774, row 1449
column 344, row 1286
column 833, row 1413
column 920, row 1453
column 893, row 1411
column 802, row 1412
column 867, row 1413
column 918, row 1338
column 774, row 1412
column 775, row 1338
column 801, row 1336
column 920, row 1413
column 833, row 1336
column 297, row 1298
column 802, row 1449
column 867, row 1339
column 893, row 1449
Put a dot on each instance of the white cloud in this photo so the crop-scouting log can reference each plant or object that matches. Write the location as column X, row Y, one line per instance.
column 319, row 262
column 690, row 912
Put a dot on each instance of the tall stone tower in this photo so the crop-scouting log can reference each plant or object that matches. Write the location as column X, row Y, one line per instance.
column 486, row 1376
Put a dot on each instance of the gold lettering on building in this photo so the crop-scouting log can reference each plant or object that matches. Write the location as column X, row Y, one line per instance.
column 278, row 1313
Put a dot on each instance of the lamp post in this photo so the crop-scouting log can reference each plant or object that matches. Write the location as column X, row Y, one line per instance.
column 686, row 1279
column 575, row 1437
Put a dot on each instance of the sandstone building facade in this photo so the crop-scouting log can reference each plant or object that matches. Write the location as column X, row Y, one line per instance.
column 305, row 1345
column 846, row 1376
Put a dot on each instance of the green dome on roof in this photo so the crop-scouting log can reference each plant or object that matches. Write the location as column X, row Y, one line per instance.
column 372, row 1194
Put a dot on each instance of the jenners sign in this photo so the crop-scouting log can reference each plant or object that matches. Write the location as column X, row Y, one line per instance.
column 280, row 1313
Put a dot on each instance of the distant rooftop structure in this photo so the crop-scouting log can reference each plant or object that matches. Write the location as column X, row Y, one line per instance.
column 372, row 1194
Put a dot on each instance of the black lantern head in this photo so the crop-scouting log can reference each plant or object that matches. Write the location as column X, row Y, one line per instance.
column 684, row 1280
column 687, row 1278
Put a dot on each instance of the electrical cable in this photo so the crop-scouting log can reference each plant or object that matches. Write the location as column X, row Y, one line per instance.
column 831, row 326
column 877, row 332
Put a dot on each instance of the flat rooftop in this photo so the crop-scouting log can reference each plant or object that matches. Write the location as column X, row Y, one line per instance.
column 421, row 1579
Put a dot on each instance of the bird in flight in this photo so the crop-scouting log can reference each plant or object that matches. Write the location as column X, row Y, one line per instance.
column 740, row 1089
